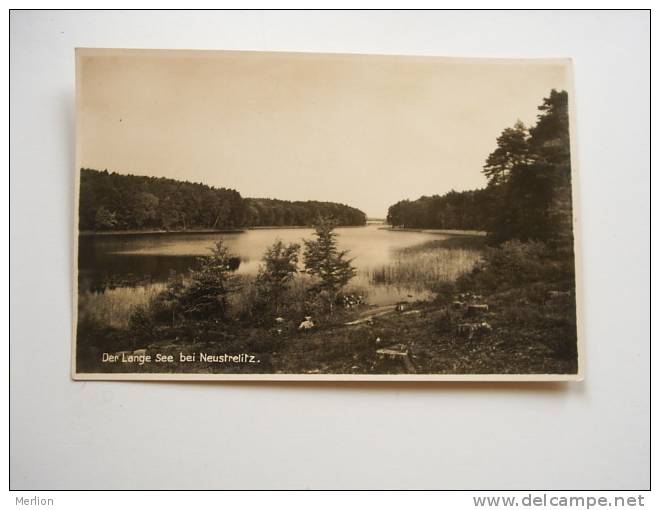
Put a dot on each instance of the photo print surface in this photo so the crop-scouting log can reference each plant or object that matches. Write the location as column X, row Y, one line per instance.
column 300, row 216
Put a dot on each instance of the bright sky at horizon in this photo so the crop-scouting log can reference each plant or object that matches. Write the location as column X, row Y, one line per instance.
column 362, row 130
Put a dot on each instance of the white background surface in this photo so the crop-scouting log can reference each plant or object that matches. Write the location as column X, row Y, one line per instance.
column 593, row 434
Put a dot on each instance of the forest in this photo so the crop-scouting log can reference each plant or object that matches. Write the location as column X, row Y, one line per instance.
column 466, row 210
column 528, row 195
column 264, row 212
column 112, row 201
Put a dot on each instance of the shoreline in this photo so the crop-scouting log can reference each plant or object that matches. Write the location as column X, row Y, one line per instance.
column 101, row 233
column 284, row 227
column 449, row 232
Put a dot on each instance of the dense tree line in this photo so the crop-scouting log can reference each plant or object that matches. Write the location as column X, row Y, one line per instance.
column 468, row 210
column 528, row 196
column 533, row 187
column 272, row 212
column 112, row 201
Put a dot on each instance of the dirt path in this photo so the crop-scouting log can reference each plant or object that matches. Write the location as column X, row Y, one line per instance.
column 367, row 315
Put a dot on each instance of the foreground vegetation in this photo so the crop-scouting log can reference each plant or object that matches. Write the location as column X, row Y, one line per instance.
column 532, row 332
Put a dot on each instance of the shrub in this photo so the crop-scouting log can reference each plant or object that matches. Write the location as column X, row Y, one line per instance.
column 165, row 307
column 275, row 276
column 141, row 323
column 95, row 336
column 205, row 296
column 511, row 264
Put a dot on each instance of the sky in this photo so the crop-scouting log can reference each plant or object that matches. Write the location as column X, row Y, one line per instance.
column 362, row 130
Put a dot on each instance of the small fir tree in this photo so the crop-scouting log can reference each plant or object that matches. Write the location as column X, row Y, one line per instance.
column 206, row 295
column 275, row 276
column 324, row 260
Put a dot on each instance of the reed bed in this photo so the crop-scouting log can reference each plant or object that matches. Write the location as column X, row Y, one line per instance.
column 424, row 269
column 113, row 307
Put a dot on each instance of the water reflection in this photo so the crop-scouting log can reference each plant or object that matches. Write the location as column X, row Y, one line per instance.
column 129, row 260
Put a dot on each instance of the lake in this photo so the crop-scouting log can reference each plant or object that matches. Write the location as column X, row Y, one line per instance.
column 140, row 259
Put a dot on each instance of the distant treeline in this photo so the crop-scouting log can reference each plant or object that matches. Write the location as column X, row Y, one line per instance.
column 112, row 201
column 271, row 212
column 466, row 210
column 528, row 196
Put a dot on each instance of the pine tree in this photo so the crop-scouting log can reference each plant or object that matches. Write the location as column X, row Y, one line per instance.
column 512, row 150
column 206, row 295
column 324, row 260
column 274, row 277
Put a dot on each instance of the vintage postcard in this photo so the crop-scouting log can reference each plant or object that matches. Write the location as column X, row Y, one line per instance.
column 300, row 216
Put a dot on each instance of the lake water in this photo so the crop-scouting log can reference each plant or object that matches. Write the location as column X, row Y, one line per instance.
column 129, row 260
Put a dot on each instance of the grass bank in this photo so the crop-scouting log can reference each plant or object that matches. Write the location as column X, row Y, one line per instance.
column 524, row 340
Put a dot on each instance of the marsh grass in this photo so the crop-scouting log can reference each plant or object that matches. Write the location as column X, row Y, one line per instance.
column 425, row 266
column 113, row 307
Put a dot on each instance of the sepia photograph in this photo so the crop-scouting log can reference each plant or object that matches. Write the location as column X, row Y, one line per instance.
column 302, row 216
column 330, row 250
